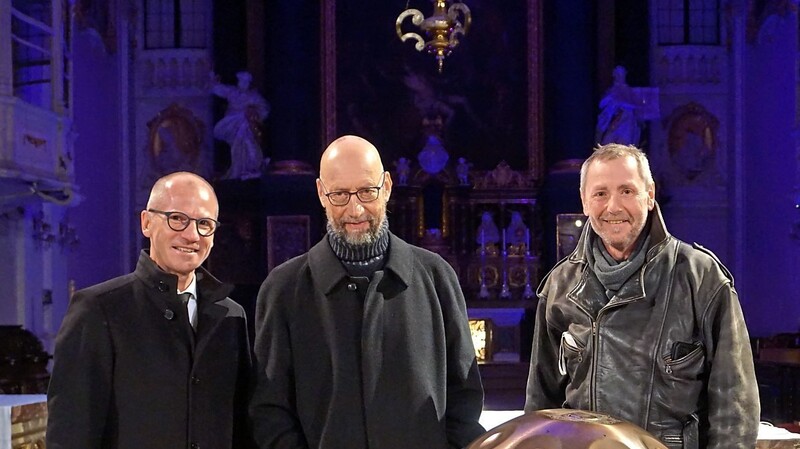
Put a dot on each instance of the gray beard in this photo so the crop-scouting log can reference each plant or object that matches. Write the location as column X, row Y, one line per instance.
column 366, row 238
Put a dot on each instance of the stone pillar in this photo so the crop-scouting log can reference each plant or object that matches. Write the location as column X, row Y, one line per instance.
column 57, row 58
column 6, row 88
column 293, row 77
column 571, row 107
column 570, row 79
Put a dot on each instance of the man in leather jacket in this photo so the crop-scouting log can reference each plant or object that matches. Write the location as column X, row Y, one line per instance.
column 640, row 325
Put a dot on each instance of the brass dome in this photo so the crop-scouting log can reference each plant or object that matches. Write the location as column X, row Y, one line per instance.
column 566, row 429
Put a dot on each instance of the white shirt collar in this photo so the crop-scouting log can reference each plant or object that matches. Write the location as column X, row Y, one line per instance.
column 192, row 288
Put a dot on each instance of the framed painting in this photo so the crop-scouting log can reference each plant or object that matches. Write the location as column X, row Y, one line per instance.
column 287, row 236
column 487, row 102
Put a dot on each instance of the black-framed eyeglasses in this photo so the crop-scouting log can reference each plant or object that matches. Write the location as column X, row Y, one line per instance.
column 365, row 195
column 178, row 221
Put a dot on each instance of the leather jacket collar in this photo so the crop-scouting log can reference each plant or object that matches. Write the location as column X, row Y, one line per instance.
column 588, row 286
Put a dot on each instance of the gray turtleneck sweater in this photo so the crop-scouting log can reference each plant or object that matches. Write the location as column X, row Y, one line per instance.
column 361, row 260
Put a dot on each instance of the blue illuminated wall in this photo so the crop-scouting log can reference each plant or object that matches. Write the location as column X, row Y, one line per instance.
column 98, row 164
column 770, row 280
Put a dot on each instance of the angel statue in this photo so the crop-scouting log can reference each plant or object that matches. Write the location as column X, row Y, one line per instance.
column 618, row 121
column 241, row 126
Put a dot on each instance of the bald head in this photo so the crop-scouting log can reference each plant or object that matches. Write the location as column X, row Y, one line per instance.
column 351, row 165
column 351, row 152
column 182, row 183
column 176, row 200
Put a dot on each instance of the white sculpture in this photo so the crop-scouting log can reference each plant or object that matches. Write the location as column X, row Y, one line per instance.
column 403, row 166
column 240, row 127
column 462, row 171
column 516, row 231
column 487, row 232
column 618, row 121
column 433, row 156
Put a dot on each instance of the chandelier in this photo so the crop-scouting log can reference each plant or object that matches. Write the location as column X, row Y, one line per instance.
column 442, row 29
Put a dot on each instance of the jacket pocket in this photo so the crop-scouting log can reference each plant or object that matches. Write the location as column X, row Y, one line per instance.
column 691, row 432
column 688, row 438
column 681, row 382
column 672, row 441
column 570, row 354
column 688, row 366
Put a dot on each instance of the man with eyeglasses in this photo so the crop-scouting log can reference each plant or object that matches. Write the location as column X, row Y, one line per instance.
column 159, row 357
column 363, row 342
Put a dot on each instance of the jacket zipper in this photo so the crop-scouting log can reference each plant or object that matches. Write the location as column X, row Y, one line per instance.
column 593, row 383
column 592, row 371
column 669, row 362
column 596, row 337
column 595, row 333
column 596, row 351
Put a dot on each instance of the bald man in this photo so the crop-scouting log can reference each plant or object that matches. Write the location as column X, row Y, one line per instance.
column 363, row 342
column 159, row 357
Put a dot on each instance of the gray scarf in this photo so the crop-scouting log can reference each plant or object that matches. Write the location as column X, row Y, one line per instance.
column 611, row 273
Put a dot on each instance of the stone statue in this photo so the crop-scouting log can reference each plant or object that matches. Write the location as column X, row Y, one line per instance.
column 403, row 167
column 433, row 156
column 462, row 171
column 487, row 233
column 241, row 126
column 516, row 232
column 618, row 121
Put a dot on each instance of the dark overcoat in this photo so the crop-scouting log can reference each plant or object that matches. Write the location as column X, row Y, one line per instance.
column 350, row 362
column 130, row 373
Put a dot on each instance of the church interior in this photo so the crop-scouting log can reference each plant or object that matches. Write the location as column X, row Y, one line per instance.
column 484, row 141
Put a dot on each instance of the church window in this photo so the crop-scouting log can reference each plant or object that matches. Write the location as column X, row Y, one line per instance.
column 688, row 22
column 176, row 23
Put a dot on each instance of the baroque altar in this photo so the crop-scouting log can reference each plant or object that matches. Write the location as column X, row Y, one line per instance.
column 488, row 228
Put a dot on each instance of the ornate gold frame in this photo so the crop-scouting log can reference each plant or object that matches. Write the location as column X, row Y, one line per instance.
column 535, row 97
column 482, row 330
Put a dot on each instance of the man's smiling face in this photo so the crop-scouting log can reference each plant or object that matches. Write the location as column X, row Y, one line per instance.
column 180, row 252
column 617, row 201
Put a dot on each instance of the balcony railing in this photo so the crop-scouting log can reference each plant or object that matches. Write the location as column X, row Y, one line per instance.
column 35, row 90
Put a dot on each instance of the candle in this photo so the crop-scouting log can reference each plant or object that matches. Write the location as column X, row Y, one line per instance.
column 504, row 239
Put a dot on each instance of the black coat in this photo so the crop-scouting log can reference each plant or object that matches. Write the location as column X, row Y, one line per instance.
column 130, row 373
column 381, row 363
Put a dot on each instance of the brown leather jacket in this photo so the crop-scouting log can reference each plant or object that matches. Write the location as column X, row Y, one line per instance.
column 670, row 352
